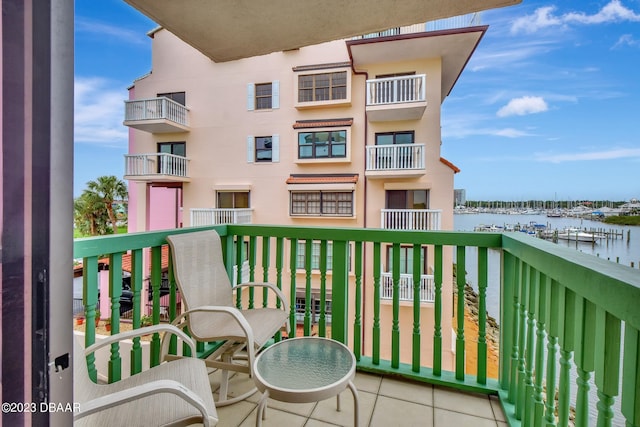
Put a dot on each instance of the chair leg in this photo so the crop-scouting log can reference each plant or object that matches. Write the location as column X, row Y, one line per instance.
column 223, row 391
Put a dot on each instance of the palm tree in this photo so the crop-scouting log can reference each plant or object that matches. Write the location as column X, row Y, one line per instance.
column 90, row 215
column 109, row 189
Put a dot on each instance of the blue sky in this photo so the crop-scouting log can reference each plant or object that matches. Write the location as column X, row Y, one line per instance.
column 548, row 106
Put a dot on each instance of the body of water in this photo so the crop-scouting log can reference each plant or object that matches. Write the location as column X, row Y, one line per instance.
column 625, row 250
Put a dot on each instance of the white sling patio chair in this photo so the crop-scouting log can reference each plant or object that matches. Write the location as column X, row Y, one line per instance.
column 210, row 313
column 172, row 393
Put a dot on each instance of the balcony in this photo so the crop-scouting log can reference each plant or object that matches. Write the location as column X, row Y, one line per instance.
column 156, row 115
column 396, row 98
column 426, row 289
column 411, row 219
column 398, row 161
column 216, row 216
column 569, row 325
column 156, row 167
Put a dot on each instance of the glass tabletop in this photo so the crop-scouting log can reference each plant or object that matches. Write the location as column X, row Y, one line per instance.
column 305, row 363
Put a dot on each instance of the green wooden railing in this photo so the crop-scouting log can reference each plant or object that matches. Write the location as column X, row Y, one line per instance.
column 563, row 314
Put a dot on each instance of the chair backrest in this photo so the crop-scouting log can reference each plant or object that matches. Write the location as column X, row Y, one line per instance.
column 199, row 269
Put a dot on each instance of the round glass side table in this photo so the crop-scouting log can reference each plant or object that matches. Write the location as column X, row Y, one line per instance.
column 302, row 370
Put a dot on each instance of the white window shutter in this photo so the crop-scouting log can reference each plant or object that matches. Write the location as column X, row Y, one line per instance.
column 251, row 103
column 275, row 148
column 251, row 152
column 275, row 94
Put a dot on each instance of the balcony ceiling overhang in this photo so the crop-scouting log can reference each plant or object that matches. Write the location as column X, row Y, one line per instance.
column 228, row 30
column 455, row 47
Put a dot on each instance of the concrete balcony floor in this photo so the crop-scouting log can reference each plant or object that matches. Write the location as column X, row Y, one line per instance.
column 384, row 401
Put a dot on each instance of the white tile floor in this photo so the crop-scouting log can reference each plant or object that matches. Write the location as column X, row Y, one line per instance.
column 384, row 402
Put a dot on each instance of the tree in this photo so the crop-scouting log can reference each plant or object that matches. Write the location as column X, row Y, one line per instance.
column 109, row 189
column 90, row 215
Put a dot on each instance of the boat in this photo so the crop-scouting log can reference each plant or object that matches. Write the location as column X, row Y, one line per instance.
column 556, row 213
column 575, row 234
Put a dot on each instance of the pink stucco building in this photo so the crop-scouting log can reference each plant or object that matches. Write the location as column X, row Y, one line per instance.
column 344, row 134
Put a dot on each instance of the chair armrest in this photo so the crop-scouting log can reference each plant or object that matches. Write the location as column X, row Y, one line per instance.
column 140, row 332
column 271, row 286
column 143, row 390
column 231, row 311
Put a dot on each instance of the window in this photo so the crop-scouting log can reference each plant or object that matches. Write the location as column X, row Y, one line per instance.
column 315, row 306
column 178, row 97
column 394, row 138
column 232, row 199
column 323, row 144
column 169, row 164
column 315, row 255
column 406, row 259
column 263, row 149
column 407, row 199
column 322, row 87
column 263, row 96
column 322, row 203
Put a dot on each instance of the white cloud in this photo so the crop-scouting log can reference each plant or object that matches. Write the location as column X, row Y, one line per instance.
column 523, row 106
column 90, row 26
column 544, row 17
column 99, row 111
column 616, row 153
column 614, row 11
column 626, row 40
column 541, row 18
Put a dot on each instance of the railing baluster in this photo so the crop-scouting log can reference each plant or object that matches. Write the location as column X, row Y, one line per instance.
column 137, row 283
column 156, row 281
column 460, row 282
column 482, row 315
column 322, row 326
column 266, row 252
column 553, row 322
column 515, row 322
column 340, row 290
column 376, row 304
column 585, row 359
column 417, row 267
column 437, row 312
column 173, row 302
column 507, row 312
column 608, row 330
column 115, row 292
column 522, row 309
column 541, row 307
column 308, row 247
column 357, row 323
column 252, row 270
column 395, row 325
column 293, row 265
column 566, row 341
column 90, row 287
column 279, row 267
column 631, row 378
column 528, row 405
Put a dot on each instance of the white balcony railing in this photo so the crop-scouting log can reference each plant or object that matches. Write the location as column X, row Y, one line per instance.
column 156, row 164
column 155, row 109
column 395, row 90
column 411, row 219
column 427, row 292
column 396, row 31
column 215, row 216
column 395, row 157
